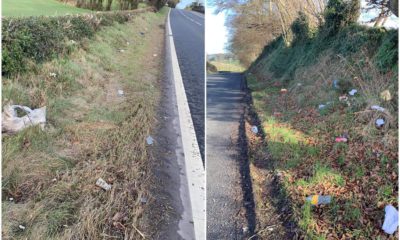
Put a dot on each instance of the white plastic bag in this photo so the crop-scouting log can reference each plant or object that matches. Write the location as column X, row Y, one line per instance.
column 391, row 220
column 12, row 123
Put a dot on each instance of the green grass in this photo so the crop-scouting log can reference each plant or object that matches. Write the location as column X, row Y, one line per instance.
column 23, row 8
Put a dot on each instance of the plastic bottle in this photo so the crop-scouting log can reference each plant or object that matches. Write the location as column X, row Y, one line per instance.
column 319, row 199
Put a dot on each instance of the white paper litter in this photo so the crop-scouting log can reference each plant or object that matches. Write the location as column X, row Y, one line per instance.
column 254, row 129
column 378, row 108
column 120, row 93
column 391, row 220
column 149, row 140
column 21, row 227
column 103, row 184
column 53, row 74
column 380, row 122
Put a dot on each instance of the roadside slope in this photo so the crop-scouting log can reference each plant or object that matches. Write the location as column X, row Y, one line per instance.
column 93, row 131
column 304, row 103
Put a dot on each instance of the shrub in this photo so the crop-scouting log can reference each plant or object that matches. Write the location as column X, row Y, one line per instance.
column 40, row 39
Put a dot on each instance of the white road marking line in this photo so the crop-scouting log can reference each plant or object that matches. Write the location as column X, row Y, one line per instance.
column 194, row 166
column 190, row 19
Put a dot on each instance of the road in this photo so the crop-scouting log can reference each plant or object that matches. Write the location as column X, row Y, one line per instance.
column 224, row 192
column 188, row 31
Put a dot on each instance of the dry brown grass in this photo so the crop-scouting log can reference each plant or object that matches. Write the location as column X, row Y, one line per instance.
column 91, row 133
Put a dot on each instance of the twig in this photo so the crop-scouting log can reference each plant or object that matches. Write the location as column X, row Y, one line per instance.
column 141, row 234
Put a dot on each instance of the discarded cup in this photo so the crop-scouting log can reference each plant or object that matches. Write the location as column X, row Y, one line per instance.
column 378, row 108
column 391, row 221
column 149, row 140
column 254, row 129
column 319, row 199
column 379, row 122
column 352, row 92
column 103, row 184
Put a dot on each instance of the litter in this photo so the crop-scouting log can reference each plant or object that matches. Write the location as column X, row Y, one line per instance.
column 340, row 139
column 335, row 84
column 380, row 122
column 12, row 123
column 11, row 199
column 120, row 93
column 103, row 184
column 321, row 106
column 143, row 200
column 391, row 221
column 283, row 90
column 53, row 74
column 378, row 108
column 154, row 55
column 319, row 199
column 72, row 41
column 127, row 43
column 245, row 229
column 254, row 129
column 21, row 227
column 299, row 84
column 352, row 92
column 149, row 140
column 385, row 95
column 121, row 50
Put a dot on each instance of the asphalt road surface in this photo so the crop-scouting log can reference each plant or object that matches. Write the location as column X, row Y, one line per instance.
column 224, row 192
column 188, row 31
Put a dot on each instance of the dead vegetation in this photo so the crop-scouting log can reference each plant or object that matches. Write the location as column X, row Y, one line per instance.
column 49, row 176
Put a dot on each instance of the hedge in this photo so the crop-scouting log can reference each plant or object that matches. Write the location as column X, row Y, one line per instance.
column 40, row 39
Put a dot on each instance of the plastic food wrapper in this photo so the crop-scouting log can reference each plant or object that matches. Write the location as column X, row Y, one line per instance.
column 385, row 95
column 341, row 139
column 11, row 123
column 321, row 106
column 319, row 199
column 391, row 220
column 353, row 92
column 254, row 129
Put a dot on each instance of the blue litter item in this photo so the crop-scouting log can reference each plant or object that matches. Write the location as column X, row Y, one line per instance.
column 254, row 129
column 149, row 140
column 380, row 122
column 335, row 84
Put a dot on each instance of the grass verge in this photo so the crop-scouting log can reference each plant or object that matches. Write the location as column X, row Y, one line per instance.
column 91, row 132
column 361, row 175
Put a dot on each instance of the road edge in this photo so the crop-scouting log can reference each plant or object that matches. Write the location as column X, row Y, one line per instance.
column 195, row 172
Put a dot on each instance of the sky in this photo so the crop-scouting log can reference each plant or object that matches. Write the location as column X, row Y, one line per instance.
column 217, row 33
column 183, row 3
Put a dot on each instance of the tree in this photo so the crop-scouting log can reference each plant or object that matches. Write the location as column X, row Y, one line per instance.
column 385, row 8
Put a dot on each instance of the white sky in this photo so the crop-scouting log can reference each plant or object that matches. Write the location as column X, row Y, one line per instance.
column 217, row 33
